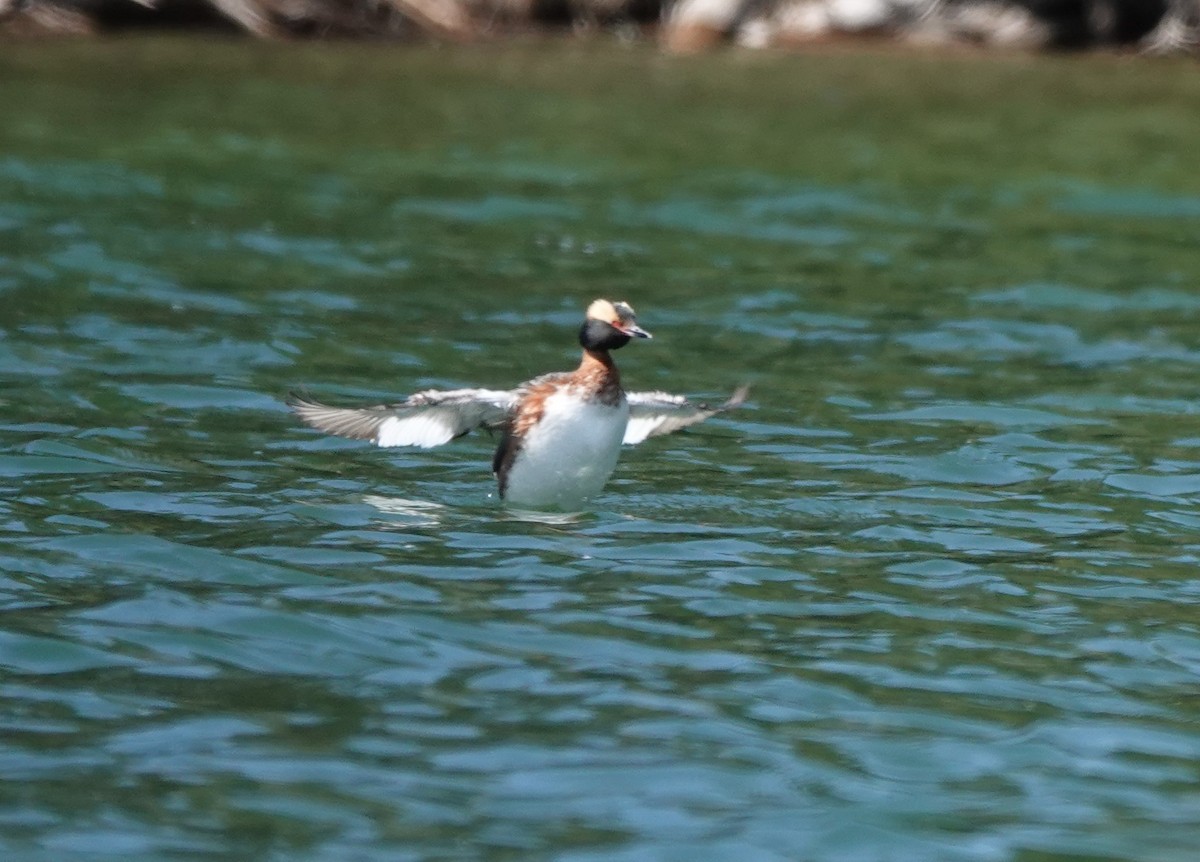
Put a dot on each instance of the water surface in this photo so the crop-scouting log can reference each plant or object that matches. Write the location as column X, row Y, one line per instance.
column 930, row 595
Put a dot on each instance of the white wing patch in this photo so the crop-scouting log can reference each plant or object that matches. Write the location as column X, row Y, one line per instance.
column 652, row 414
column 423, row 430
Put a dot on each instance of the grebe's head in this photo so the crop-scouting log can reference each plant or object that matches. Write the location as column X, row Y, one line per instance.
column 609, row 325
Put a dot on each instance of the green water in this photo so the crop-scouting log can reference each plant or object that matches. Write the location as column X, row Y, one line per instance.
column 931, row 595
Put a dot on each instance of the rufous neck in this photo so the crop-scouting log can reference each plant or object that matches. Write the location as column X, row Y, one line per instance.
column 600, row 358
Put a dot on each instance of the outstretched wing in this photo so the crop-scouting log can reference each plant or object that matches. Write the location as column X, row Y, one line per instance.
column 654, row 413
column 425, row 419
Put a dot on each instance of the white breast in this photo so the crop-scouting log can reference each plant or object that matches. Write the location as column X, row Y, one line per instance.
column 569, row 455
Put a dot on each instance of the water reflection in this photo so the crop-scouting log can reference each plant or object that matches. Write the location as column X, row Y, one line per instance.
column 416, row 513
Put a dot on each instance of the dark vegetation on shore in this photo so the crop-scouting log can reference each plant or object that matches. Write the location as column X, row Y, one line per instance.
column 1148, row 26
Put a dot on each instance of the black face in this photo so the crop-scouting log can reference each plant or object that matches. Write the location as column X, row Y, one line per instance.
column 598, row 335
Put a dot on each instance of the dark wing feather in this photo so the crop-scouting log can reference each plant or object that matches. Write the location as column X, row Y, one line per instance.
column 425, row 419
column 652, row 414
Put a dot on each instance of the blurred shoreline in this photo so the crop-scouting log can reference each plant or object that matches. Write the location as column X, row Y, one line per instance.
column 1150, row 27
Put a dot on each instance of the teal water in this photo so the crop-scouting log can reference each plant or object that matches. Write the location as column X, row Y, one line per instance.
column 931, row 595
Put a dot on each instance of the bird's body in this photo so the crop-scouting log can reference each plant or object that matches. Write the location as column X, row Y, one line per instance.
column 567, row 456
column 561, row 433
